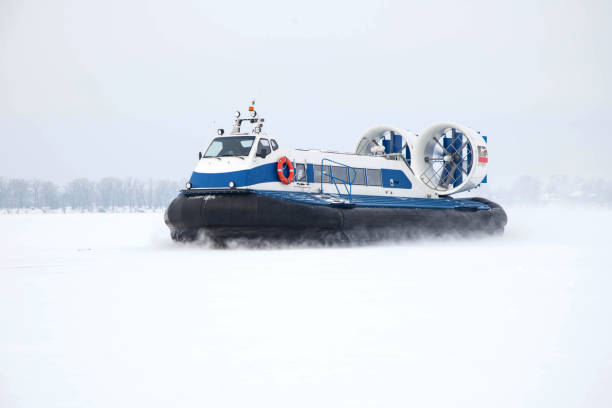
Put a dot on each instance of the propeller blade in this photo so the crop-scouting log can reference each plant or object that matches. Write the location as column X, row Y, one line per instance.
column 439, row 144
column 458, row 151
column 449, row 175
column 432, row 159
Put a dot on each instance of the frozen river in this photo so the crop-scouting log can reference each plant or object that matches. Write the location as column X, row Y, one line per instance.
column 103, row 310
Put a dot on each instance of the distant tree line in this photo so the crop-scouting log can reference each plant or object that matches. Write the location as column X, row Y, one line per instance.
column 107, row 194
column 129, row 194
column 554, row 189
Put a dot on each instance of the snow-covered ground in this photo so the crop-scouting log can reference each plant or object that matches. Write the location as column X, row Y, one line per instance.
column 103, row 310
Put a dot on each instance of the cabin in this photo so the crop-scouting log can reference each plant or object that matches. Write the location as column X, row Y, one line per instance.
column 387, row 162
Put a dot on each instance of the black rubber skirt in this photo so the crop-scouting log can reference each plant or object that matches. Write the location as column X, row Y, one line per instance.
column 225, row 215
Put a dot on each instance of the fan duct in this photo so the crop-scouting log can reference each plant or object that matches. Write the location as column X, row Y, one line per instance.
column 395, row 141
column 450, row 158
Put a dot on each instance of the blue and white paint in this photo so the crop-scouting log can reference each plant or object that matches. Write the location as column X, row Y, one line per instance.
column 388, row 162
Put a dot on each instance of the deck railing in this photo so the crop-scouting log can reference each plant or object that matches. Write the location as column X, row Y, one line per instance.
column 346, row 183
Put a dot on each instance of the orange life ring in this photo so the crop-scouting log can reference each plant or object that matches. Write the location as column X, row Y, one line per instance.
column 280, row 170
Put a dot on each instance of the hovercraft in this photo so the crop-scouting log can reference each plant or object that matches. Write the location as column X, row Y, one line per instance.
column 396, row 184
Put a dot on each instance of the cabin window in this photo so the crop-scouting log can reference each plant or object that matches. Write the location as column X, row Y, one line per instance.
column 357, row 177
column 273, row 144
column 264, row 147
column 300, row 172
column 374, row 177
column 339, row 173
column 230, row 146
column 317, row 174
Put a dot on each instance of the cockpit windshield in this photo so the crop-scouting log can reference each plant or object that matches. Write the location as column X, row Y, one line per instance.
column 230, row 146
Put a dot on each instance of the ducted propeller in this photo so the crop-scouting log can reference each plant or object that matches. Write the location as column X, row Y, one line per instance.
column 448, row 161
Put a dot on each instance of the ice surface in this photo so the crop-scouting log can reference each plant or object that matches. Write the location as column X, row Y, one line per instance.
column 103, row 310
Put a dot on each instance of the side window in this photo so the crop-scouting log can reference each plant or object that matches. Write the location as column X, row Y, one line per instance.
column 274, row 144
column 317, row 174
column 374, row 177
column 300, row 172
column 264, row 147
column 339, row 173
column 358, row 177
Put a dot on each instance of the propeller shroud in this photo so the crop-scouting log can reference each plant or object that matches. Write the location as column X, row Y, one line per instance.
column 449, row 158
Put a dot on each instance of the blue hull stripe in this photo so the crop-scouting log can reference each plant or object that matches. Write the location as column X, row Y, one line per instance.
column 266, row 173
column 399, row 179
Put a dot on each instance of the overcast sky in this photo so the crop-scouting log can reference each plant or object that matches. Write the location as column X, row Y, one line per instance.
column 132, row 88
